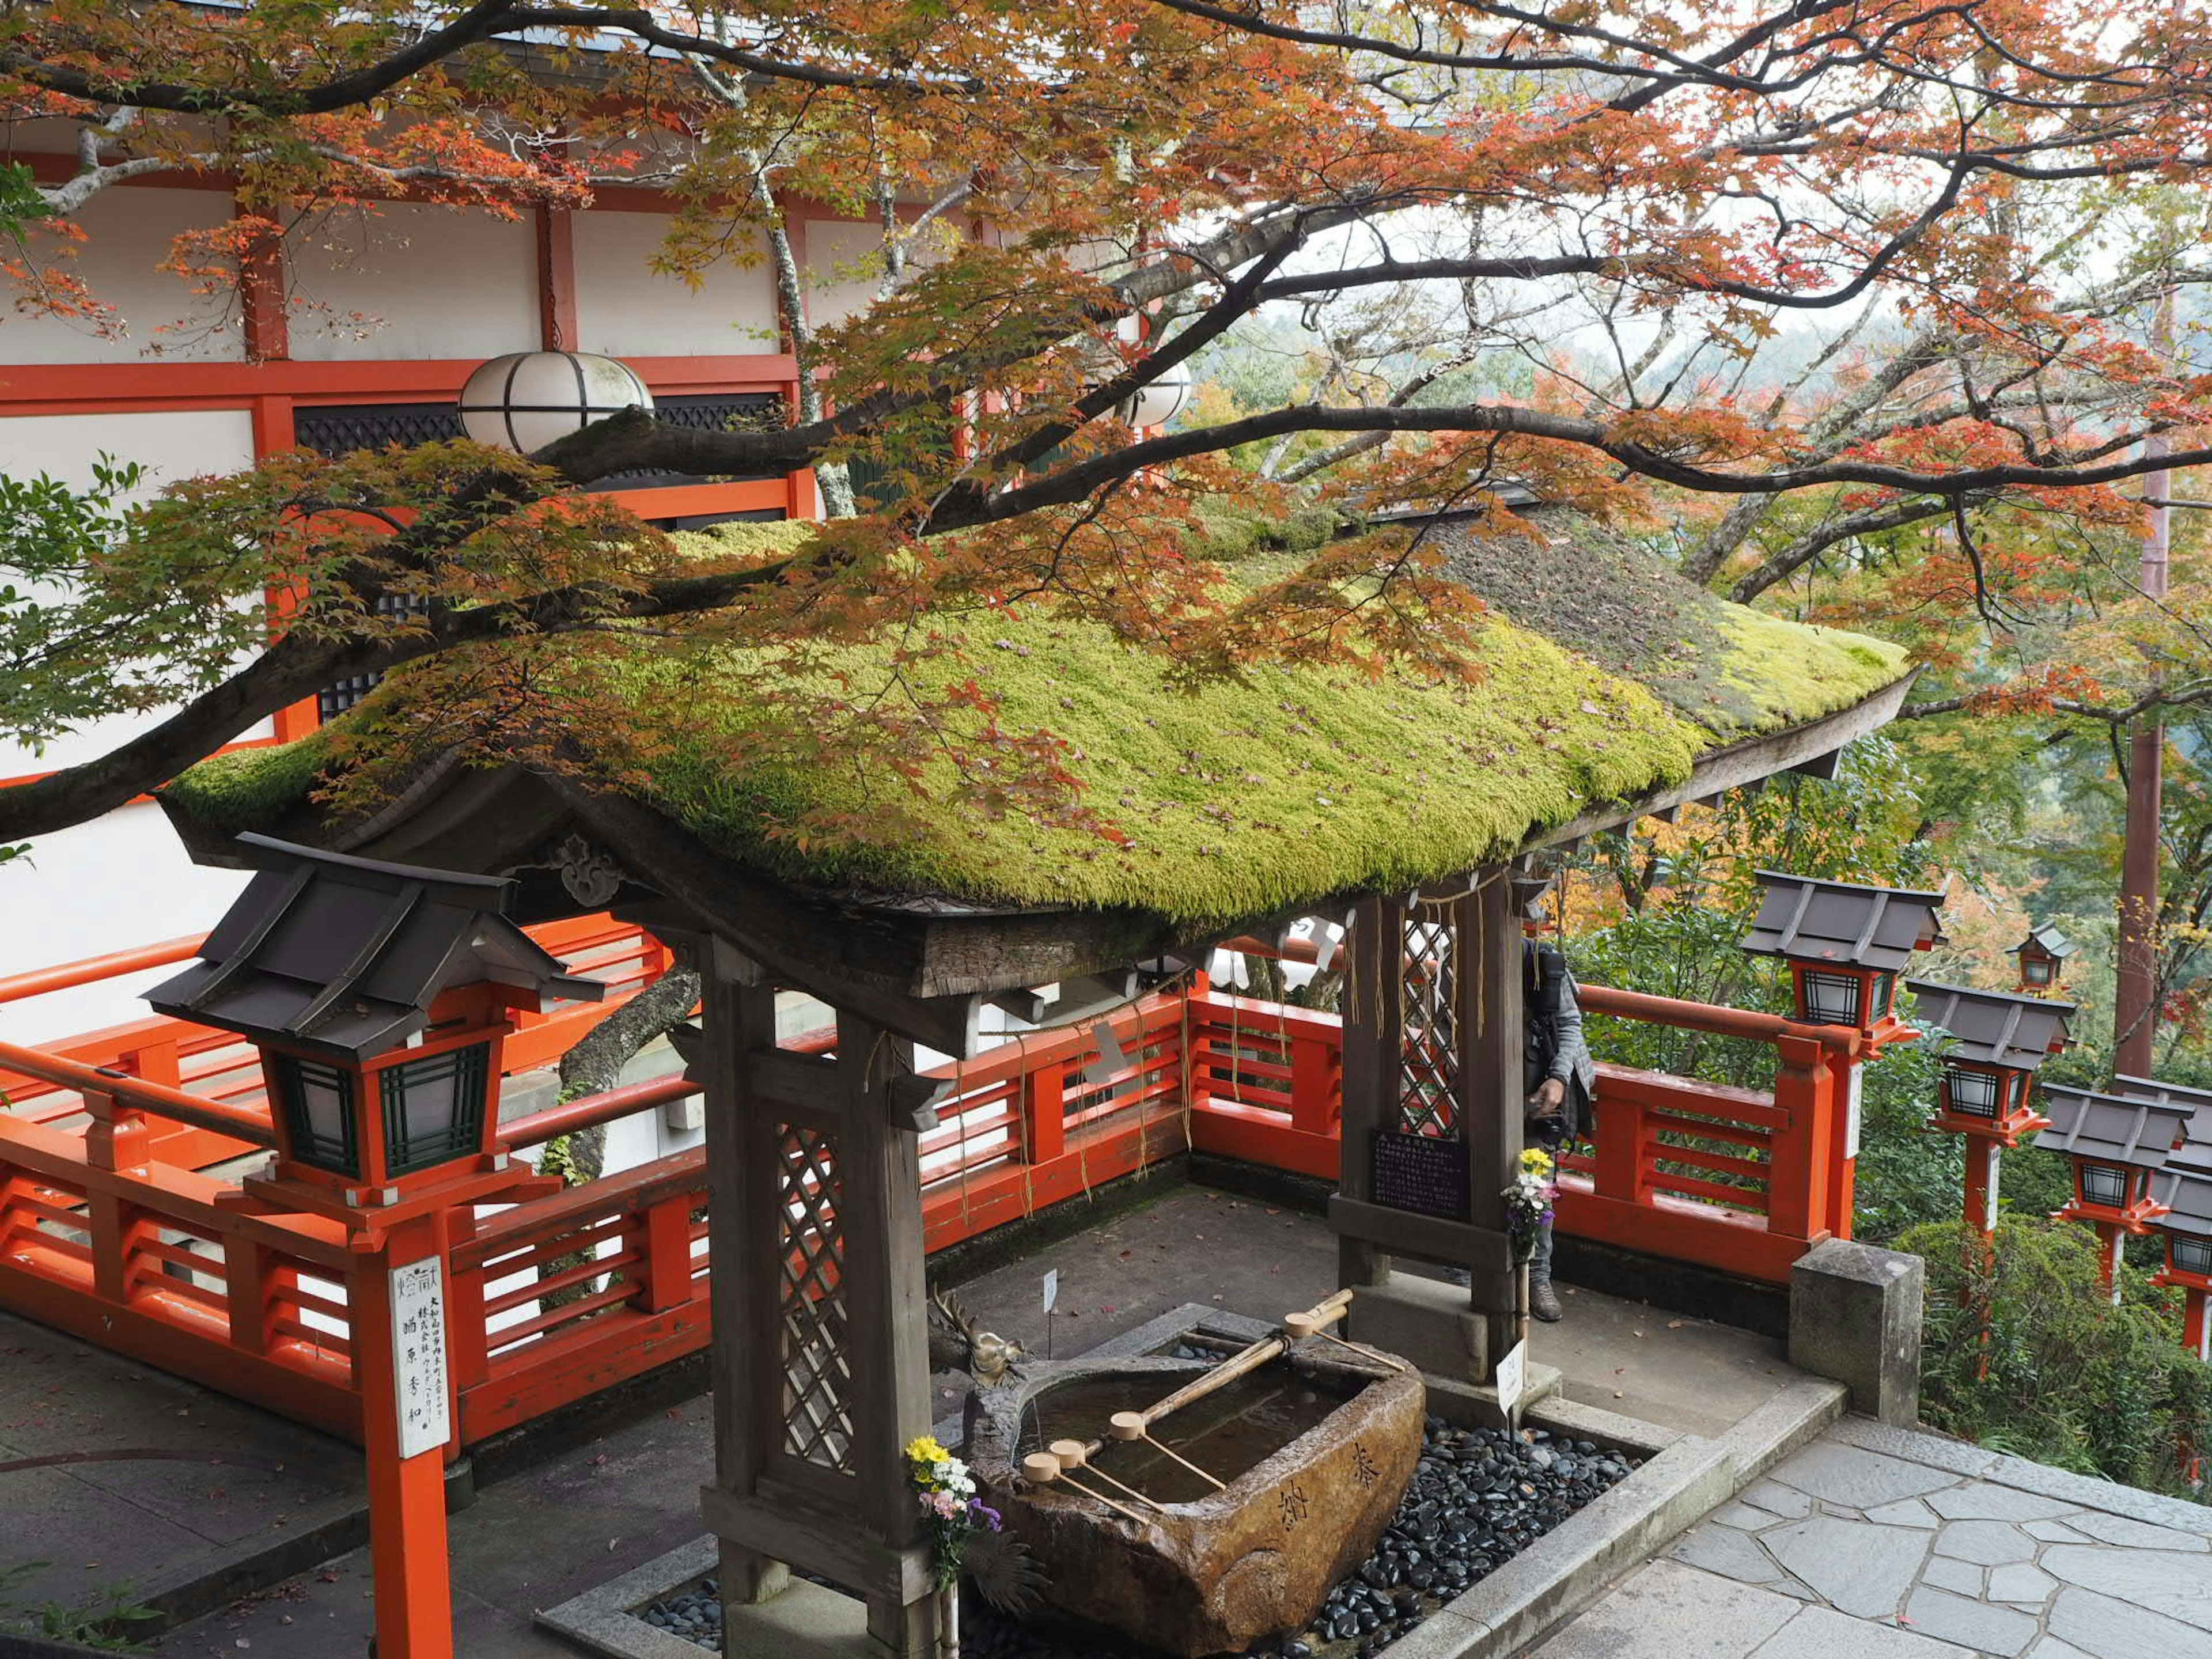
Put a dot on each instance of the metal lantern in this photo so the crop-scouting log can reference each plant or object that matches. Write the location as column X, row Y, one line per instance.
column 528, row 399
column 1830, row 998
column 379, row 995
column 2042, row 956
column 1844, row 943
column 1970, row 1092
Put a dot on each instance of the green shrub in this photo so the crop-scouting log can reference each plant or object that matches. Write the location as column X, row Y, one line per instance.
column 2025, row 1352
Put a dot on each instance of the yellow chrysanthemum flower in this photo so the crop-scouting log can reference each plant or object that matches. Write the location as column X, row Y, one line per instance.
column 924, row 1449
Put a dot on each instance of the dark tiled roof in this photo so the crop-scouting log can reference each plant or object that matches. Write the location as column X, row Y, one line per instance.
column 2111, row 1128
column 1996, row 1027
column 345, row 954
column 2056, row 942
column 2199, row 1100
column 2187, row 1193
column 1837, row 922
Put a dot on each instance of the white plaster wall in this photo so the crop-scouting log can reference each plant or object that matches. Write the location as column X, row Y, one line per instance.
column 843, row 265
column 173, row 445
column 128, row 232
column 120, row 881
column 624, row 308
column 412, row 280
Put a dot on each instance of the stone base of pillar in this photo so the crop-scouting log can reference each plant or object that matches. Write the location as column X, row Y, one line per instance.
column 1855, row 1317
column 1474, row 1406
column 1425, row 1321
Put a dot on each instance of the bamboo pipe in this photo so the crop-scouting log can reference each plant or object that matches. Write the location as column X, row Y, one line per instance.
column 1249, row 1360
column 1246, row 1360
column 1074, row 1455
column 1043, row 1469
column 1304, row 1325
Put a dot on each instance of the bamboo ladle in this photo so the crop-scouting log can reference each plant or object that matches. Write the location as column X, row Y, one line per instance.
column 1075, row 1455
column 1043, row 1469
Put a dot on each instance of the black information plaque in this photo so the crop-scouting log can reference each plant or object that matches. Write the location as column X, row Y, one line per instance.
column 1425, row 1174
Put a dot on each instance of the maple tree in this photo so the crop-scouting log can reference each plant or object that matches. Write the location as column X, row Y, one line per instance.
column 1060, row 169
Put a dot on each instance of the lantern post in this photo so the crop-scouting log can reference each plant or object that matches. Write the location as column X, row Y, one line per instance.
column 1999, row 1041
column 379, row 995
column 1845, row 945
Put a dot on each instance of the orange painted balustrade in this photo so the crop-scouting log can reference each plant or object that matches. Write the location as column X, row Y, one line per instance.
column 103, row 1233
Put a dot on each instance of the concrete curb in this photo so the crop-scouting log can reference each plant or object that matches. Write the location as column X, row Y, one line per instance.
column 320, row 1533
column 1569, row 1568
column 803, row 1620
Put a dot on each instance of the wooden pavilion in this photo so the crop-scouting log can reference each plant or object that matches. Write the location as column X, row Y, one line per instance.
column 1614, row 691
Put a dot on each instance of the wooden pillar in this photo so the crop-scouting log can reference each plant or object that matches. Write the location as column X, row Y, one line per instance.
column 1492, row 1080
column 398, row 1326
column 821, row 1366
column 739, row 1021
column 2196, row 1326
column 1374, row 1035
column 883, row 1267
column 1985, row 1157
column 2112, row 1244
column 1433, row 1099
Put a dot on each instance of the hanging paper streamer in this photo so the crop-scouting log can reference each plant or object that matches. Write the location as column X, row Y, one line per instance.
column 1332, row 936
column 1110, row 1058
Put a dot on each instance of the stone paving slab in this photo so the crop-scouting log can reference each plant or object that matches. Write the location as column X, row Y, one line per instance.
column 1912, row 1533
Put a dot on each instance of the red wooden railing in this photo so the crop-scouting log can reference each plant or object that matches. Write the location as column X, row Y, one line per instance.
column 103, row 1233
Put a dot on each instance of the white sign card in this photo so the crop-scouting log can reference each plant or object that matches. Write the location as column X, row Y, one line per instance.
column 1051, row 1288
column 1856, row 1109
column 1512, row 1378
column 418, row 1354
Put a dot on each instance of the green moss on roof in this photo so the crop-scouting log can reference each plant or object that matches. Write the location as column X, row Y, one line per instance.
column 248, row 788
column 1285, row 787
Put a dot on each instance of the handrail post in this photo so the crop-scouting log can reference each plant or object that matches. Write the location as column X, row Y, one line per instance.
column 1044, row 1112
column 114, row 1140
column 468, row 1341
column 246, row 1287
column 1799, row 1188
column 1197, row 1037
column 1316, row 1084
column 664, row 1237
column 1620, row 1168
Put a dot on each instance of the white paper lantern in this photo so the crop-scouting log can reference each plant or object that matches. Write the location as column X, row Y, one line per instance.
column 1158, row 402
column 526, row 399
column 1155, row 403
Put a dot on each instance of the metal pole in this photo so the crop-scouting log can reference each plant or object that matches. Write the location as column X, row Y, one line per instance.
column 2134, row 1003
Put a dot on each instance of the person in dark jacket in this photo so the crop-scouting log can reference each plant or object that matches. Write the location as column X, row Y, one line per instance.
column 1560, row 1077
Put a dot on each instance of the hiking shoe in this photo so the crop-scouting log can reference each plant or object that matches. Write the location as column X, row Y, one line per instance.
column 1544, row 1303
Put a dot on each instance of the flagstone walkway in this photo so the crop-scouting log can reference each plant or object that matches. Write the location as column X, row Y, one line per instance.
column 1875, row 1544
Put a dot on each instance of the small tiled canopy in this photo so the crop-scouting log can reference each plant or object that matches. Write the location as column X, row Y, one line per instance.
column 1995, row 1028
column 1837, row 922
column 2048, row 940
column 2112, row 1129
column 344, row 956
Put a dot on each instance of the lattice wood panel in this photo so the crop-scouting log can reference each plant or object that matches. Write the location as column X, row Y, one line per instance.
column 814, row 1327
column 1429, row 1057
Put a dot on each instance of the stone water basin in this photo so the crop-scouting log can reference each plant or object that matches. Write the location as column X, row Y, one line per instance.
column 1316, row 1449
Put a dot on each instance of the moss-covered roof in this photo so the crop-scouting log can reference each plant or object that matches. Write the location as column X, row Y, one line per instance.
column 1607, row 678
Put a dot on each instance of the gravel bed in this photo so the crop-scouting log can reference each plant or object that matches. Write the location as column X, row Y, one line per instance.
column 1479, row 1498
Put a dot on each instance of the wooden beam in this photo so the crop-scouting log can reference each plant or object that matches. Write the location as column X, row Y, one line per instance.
column 1740, row 764
column 557, row 280
column 263, row 317
column 1374, row 1039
